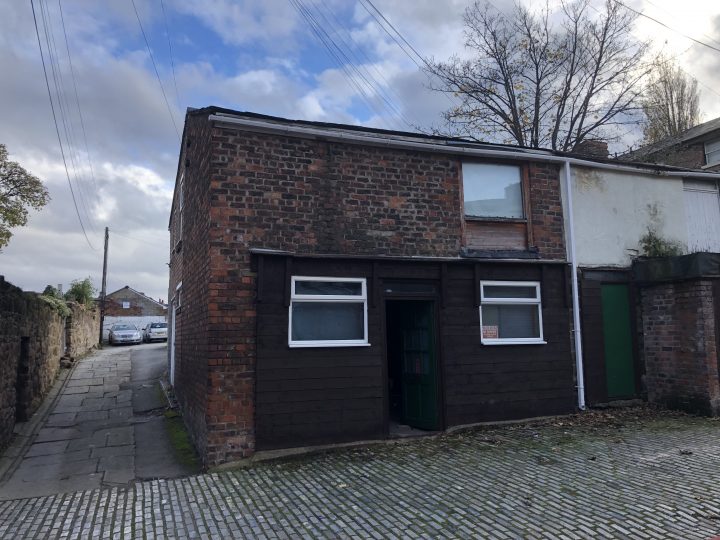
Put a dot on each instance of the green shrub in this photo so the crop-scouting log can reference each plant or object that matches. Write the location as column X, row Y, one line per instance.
column 653, row 245
column 58, row 304
column 81, row 291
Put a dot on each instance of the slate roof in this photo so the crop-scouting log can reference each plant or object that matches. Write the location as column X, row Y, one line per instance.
column 687, row 136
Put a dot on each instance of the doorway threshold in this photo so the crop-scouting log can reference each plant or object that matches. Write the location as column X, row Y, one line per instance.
column 403, row 431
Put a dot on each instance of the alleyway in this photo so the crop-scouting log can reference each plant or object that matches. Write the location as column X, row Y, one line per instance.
column 621, row 475
column 105, row 428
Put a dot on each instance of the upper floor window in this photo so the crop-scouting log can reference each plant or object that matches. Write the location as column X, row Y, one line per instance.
column 712, row 152
column 493, row 191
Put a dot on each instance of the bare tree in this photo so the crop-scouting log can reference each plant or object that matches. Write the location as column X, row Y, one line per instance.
column 671, row 102
column 539, row 84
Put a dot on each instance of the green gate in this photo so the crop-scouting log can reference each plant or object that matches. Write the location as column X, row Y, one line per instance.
column 617, row 339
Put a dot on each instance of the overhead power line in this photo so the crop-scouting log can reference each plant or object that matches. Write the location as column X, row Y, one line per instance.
column 57, row 129
column 77, row 101
column 157, row 73
column 359, row 66
column 64, row 110
column 657, row 21
column 423, row 65
column 338, row 55
column 172, row 61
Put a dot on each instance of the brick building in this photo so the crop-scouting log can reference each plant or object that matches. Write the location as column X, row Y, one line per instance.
column 127, row 302
column 331, row 283
column 130, row 306
column 696, row 148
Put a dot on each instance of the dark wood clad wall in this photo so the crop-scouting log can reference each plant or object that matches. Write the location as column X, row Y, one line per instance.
column 504, row 382
column 593, row 343
column 314, row 395
column 323, row 395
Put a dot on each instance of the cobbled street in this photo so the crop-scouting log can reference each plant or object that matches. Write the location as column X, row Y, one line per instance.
column 623, row 474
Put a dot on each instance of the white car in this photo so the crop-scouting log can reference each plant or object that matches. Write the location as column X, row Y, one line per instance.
column 124, row 333
column 155, row 331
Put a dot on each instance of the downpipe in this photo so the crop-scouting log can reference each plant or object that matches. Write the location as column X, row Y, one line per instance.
column 575, row 294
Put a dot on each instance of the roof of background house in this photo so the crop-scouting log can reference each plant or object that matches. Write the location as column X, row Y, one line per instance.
column 128, row 288
column 691, row 134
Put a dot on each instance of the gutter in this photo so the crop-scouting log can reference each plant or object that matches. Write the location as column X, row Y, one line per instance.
column 525, row 153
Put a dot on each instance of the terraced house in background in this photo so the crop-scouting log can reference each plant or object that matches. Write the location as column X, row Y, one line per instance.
column 332, row 283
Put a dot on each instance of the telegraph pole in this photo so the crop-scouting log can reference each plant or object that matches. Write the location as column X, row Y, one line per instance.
column 102, row 292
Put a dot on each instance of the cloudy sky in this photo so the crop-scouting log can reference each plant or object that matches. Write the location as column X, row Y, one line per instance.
column 254, row 55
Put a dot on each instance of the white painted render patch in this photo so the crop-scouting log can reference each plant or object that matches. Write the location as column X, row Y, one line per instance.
column 613, row 210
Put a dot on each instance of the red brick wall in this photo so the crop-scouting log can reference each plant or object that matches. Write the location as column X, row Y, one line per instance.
column 680, row 345
column 546, row 210
column 191, row 266
column 139, row 305
column 691, row 156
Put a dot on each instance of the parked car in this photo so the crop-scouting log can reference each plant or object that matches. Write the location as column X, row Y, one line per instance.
column 155, row 331
column 124, row 333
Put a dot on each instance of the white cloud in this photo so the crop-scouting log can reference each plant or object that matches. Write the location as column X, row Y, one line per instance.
column 271, row 22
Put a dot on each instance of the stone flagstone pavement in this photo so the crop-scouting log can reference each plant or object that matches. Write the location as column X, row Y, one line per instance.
column 105, row 428
column 621, row 476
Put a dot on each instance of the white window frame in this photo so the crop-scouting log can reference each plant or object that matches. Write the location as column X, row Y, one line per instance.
column 326, row 298
column 537, row 301
column 712, row 148
column 182, row 203
column 178, row 297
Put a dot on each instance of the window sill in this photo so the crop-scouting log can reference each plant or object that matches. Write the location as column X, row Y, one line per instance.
column 495, row 219
column 513, row 342
column 311, row 344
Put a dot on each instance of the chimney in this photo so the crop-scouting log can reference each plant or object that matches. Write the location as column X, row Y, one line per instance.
column 592, row 148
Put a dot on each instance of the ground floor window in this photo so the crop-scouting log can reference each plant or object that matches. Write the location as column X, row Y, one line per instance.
column 328, row 312
column 510, row 313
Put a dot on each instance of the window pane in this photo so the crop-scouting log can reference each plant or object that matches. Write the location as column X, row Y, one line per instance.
column 320, row 321
column 510, row 321
column 492, row 190
column 352, row 288
column 509, row 291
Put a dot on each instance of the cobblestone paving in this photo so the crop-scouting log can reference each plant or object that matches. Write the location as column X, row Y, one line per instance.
column 657, row 477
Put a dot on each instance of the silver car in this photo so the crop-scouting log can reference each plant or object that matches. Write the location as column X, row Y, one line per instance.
column 155, row 331
column 124, row 333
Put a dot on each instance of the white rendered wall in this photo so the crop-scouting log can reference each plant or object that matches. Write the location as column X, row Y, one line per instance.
column 612, row 210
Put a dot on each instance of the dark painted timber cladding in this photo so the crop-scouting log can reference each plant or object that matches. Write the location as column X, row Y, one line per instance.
column 328, row 395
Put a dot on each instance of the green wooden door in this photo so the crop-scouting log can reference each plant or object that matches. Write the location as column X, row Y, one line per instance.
column 617, row 338
column 419, row 370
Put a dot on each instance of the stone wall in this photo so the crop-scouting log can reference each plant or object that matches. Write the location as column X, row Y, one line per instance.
column 33, row 338
column 83, row 329
column 680, row 344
